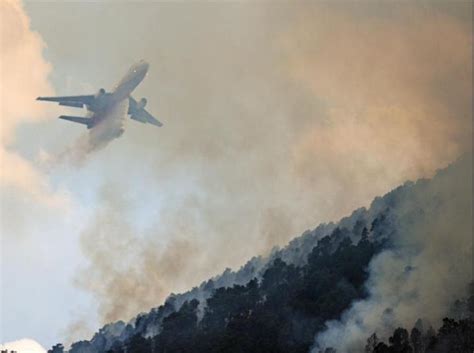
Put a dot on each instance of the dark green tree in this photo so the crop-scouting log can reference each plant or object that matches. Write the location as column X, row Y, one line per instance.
column 416, row 340
column 399, row 342
column 372, row 342
column 58, row 348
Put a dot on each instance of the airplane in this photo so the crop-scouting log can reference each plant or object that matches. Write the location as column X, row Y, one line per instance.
column 111, row 108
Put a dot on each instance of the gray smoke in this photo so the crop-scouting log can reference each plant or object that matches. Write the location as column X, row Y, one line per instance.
column 277, row 117
column 402, row 284
column 428, row 267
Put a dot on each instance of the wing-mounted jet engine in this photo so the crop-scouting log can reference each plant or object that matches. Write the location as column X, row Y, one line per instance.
column 101, row 103
column 100, row 93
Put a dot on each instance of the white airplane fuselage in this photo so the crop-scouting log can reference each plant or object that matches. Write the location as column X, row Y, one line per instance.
column 109, row 111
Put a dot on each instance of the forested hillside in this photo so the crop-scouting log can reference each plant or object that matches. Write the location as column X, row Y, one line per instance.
column 282, row 302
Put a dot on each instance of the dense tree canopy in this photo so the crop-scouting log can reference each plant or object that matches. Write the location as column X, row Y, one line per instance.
column 281, row 312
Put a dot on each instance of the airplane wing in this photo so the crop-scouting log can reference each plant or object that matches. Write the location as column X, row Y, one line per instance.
column 140, row 114
column 132, row 105
column 144, row 117
column 70, row 101
column 151, row 119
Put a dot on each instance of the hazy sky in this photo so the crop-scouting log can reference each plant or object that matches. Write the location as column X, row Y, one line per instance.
column 277, row 116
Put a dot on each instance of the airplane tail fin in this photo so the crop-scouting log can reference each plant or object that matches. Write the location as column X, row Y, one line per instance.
column 78, row 119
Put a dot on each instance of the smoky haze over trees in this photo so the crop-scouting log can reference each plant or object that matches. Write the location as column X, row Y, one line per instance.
column 276, row 125
column 278, row 116
column 333, row 287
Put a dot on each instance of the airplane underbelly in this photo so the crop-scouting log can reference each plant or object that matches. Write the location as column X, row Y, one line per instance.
column 119, row 110
column 111, row 122
column 115, row 113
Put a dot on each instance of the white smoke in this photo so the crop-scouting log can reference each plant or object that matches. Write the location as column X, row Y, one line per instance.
column 24, row 345
column 95, row 139
column 22, row 61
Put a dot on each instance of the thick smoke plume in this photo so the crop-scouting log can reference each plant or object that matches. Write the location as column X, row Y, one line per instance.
column 146, row 271
column 428, row 267
column 288, row 115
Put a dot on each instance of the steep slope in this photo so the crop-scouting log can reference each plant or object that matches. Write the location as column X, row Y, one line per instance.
column 312, row 287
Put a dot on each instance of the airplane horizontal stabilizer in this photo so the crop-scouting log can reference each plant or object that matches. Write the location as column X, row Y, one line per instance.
column 78, row 119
